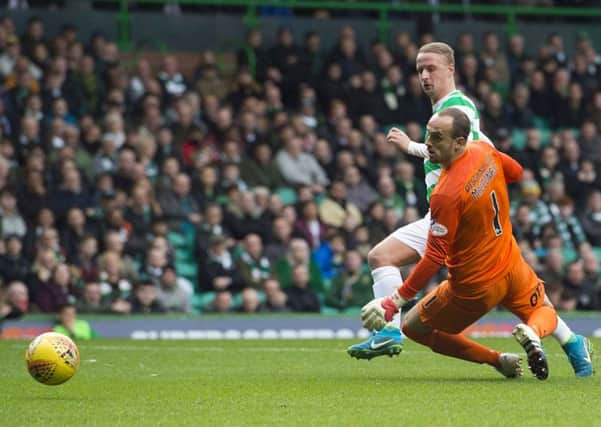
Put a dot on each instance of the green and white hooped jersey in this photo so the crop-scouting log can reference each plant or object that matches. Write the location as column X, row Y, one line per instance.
column 455, row 99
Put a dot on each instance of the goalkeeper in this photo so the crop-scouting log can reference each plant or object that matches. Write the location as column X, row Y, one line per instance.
column 471, row 233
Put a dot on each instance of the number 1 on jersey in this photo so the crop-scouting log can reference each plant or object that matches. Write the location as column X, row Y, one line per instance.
column 496, row 224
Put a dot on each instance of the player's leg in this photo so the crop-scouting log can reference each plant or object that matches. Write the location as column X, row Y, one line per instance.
column 577, row 347
column 403, row 247
column 437, row 321
column 525, row 298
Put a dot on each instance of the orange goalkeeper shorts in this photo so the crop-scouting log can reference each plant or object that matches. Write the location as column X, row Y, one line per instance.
column 453, row 307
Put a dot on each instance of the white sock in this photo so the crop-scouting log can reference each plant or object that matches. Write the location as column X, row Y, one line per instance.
column 386, row 280
column 562, row 332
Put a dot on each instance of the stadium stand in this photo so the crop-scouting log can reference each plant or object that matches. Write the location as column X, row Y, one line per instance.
column 234, row 180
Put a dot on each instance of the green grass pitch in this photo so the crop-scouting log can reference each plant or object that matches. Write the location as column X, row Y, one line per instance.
column 290, row 383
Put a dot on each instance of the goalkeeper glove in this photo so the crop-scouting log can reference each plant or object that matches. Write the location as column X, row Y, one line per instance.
column 376, row 313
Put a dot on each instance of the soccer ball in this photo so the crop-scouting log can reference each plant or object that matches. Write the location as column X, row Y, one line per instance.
column 52, row 358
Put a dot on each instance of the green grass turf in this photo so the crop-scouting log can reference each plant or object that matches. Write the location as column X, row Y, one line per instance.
column 238, row 383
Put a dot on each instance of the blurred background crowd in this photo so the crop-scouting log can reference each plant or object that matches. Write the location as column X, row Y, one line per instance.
column 130, row 186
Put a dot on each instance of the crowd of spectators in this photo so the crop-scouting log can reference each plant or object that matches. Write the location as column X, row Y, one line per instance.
column 131, row 187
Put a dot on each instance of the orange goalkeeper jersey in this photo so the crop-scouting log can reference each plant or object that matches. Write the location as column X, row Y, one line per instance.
column 471, row 229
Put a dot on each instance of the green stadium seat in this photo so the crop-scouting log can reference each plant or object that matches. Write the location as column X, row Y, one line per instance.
column 569, row 255
column 287, row 194
column 518, row 138
column 545, row 136
column 597, row 251
column 329, row 311
column 187, row 269
column 541, row 123
column 203, row 300
column 176, row 239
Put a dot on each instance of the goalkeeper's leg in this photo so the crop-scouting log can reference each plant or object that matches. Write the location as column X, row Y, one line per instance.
column 577, row 347
column 385, row 260
column 450, row 342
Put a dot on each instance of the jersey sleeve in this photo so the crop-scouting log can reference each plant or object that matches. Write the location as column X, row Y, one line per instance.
column 512, row 170
column 446, row 211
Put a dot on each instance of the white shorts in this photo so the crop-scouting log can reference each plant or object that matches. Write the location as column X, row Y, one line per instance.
column 415, row 234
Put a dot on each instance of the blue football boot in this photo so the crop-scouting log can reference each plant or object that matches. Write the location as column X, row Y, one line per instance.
column 387, row 341
column 579, row 352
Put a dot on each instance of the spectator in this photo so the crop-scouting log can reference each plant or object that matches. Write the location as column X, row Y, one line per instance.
column 411, row 189
column 336, row 211
column 578, row 293
column 115, row 283
column 259, row 170
column 589, row 140
column 34, row 195
column 254, row 53
column 549, row 169
column 359, row 192
column 51, row 295
column 212, row 225
column 285, row 57
column 250, row 301
column 330, row 255
column 299, row 168
column 275, row 297
column 179, row 208
column 14, row 300
column 553, row 267
column 92, row 301
column 347, row 53
column 279, row 240
column 205, row 189
column 309, row 226
column 495, row 116
column 115, row 241
column 210, row 82
column 389, row 197
column 351, row 286
column 174, row 293
column 298, row 253
column 74, row 231
column 222, row 303
column 173, row 82
column 523, row 227
column 155, row 261
column 71, row 194
column 591, row 218
column 568, row 225
column 254, row 266
column 145, row 300
column 220, row 272
column 590, row 264
column 11, row 221
column 300, row 297
column 519, row 114
column 540, row 96
column 539, row 210
column 13, row 265
column 140, row 213
column 244, row 216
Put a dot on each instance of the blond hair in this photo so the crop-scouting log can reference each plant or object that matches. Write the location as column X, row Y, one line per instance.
column 439, row 48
